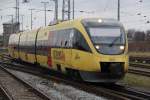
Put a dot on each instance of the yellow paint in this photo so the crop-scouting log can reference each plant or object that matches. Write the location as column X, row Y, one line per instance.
column 16, row 55
column 84, row 61
column 10, row 51
column 31, row 58
column 23, row 56
column 42, row 60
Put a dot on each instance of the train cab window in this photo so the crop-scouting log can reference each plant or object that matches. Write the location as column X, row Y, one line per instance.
column 79, row 42
column 57, row 39
column 70, row 38
column 66, row 38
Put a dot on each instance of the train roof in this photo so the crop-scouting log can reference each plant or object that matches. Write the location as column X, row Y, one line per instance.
column 76, row 22
column 87, row 22
column 104, row 20
column 93, row 22
column 100, row 22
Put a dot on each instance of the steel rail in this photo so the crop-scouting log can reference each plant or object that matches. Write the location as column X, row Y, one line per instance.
column 5, row 93
column 115, row 93
column 139, row 72
column 147, row 59
column 35, row 90
column 140, row 65
column 131, row 92
column 98, row 90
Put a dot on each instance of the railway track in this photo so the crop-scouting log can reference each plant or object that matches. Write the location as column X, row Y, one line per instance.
column 139, row 71
column 116, row 92
column 140, row 65
column 4, row 95
column 130, row 92
column 14, row 88
column 139, row 68
column 139, row 59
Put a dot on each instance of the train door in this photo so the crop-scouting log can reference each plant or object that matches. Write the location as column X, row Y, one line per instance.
column 67, row 46
column 82, row 57
column 23, row 47
column 62, row 52
column 57, row 55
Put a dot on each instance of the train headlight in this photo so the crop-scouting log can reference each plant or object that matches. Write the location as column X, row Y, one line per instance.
column 122, row 47
column 99, row 20
column 97, row 46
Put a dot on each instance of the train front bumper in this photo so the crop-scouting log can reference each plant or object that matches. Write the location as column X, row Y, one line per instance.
column 108, row 69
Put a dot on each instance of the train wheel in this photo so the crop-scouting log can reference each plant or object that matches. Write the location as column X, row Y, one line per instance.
column 74, row 74
column 77, row 75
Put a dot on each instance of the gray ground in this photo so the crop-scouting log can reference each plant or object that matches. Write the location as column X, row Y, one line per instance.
column 57, row 91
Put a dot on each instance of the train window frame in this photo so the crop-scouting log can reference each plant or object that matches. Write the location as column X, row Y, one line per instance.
column 125, row 44
column 69, row 36
column 64, row 41
column 68, row 39
column 87, row 48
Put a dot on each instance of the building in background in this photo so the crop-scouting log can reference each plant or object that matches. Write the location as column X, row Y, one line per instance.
column 1, row 40
column 9, row 28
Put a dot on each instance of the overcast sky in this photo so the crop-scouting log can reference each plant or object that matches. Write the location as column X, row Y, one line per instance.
column 95, row 8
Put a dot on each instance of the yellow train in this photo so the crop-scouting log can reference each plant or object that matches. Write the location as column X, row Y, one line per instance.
column 91, row 49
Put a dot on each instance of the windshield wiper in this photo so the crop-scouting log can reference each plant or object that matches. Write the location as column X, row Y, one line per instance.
column 113, row 42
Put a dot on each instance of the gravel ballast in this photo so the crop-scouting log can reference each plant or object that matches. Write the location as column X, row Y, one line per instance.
column 56, row 91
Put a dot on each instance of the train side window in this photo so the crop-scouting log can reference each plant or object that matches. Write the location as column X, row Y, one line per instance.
column 70, row 39
column 79, row 42
column 55, row 38
column 65, row 38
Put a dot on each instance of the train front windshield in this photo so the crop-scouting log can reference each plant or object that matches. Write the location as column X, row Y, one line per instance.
column 108, row 39
column 106, row 35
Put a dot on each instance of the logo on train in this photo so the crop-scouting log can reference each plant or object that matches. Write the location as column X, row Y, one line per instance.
column 59, row 55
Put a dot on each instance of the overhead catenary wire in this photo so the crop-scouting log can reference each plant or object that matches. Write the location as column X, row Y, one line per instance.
column 45, row 8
